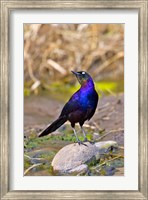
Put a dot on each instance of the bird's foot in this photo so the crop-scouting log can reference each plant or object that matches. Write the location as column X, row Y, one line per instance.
column 80, row 142
column 86, row 140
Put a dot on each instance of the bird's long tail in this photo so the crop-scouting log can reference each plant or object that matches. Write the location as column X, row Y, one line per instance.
column 54, row 126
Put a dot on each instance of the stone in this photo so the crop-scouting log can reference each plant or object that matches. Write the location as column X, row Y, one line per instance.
column 105, row 146
column 73, row 158
column 96, row 136
column 79, row 170
column 74, row 155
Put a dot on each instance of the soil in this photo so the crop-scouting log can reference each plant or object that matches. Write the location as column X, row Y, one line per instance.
column 109, row 115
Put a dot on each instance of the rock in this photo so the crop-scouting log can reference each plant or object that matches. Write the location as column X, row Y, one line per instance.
column 72, row 156
column 79, row 170
column 56, row 133
column 38, row 160
column 96, row 136
column 105, row 146
column 108, row 170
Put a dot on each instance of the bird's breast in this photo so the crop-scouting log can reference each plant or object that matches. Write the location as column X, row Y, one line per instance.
column 87, row 97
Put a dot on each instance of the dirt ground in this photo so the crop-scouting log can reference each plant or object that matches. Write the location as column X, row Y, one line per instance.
column 108, row 118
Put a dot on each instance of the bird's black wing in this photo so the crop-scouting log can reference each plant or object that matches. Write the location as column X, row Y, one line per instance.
column 71, row 106
column 91, row 109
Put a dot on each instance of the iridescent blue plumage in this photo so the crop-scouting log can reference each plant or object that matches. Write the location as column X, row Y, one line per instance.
column 80, row 107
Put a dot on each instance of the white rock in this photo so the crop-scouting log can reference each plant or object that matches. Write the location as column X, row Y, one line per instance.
column 105, row 145
column 73, row 158
column 96, row 136
column 80, row 169
column 74, row 155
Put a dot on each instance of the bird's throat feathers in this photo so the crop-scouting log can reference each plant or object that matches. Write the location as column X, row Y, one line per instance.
column 87, row 83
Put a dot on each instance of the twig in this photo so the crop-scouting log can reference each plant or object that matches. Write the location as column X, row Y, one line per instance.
column 97, row 126
column 113, row 131
column 35, row 85
column 120, row 156
column 30, row 70
column 85, row 126
column 109, row 62
column 121, row 148
column 27, row 157
column 104, row 106
column 56, row 66
column 104, row 163
column 39, row 159
column 31, row 167
column 89, row 126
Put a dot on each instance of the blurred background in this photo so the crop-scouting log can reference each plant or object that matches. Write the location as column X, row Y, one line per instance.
column 51, row 51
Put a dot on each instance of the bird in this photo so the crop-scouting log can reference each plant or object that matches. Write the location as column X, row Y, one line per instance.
column 80, row 107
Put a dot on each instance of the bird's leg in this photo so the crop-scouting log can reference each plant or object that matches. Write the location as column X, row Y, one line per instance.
column 85, row 138
column 76, row 135
column 84, row 133
column 78, row 141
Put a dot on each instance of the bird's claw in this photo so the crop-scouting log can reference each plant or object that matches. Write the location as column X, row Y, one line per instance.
column 91, row 142
column 80, row 142
column 86, row 140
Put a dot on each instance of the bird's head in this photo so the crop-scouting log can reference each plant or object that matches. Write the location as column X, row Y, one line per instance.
column 83, row 77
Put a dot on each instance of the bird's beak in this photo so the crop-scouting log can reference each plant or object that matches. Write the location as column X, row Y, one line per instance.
column 75, row 73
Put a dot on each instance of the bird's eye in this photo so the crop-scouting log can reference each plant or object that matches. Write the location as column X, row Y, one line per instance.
column 83, row 72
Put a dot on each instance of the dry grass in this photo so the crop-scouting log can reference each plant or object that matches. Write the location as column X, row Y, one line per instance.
column 51, row 51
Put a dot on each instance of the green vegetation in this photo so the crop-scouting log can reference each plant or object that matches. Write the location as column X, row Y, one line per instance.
column 107, row 165
column 67, row 135
column 39, row 150
column 57, row 88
